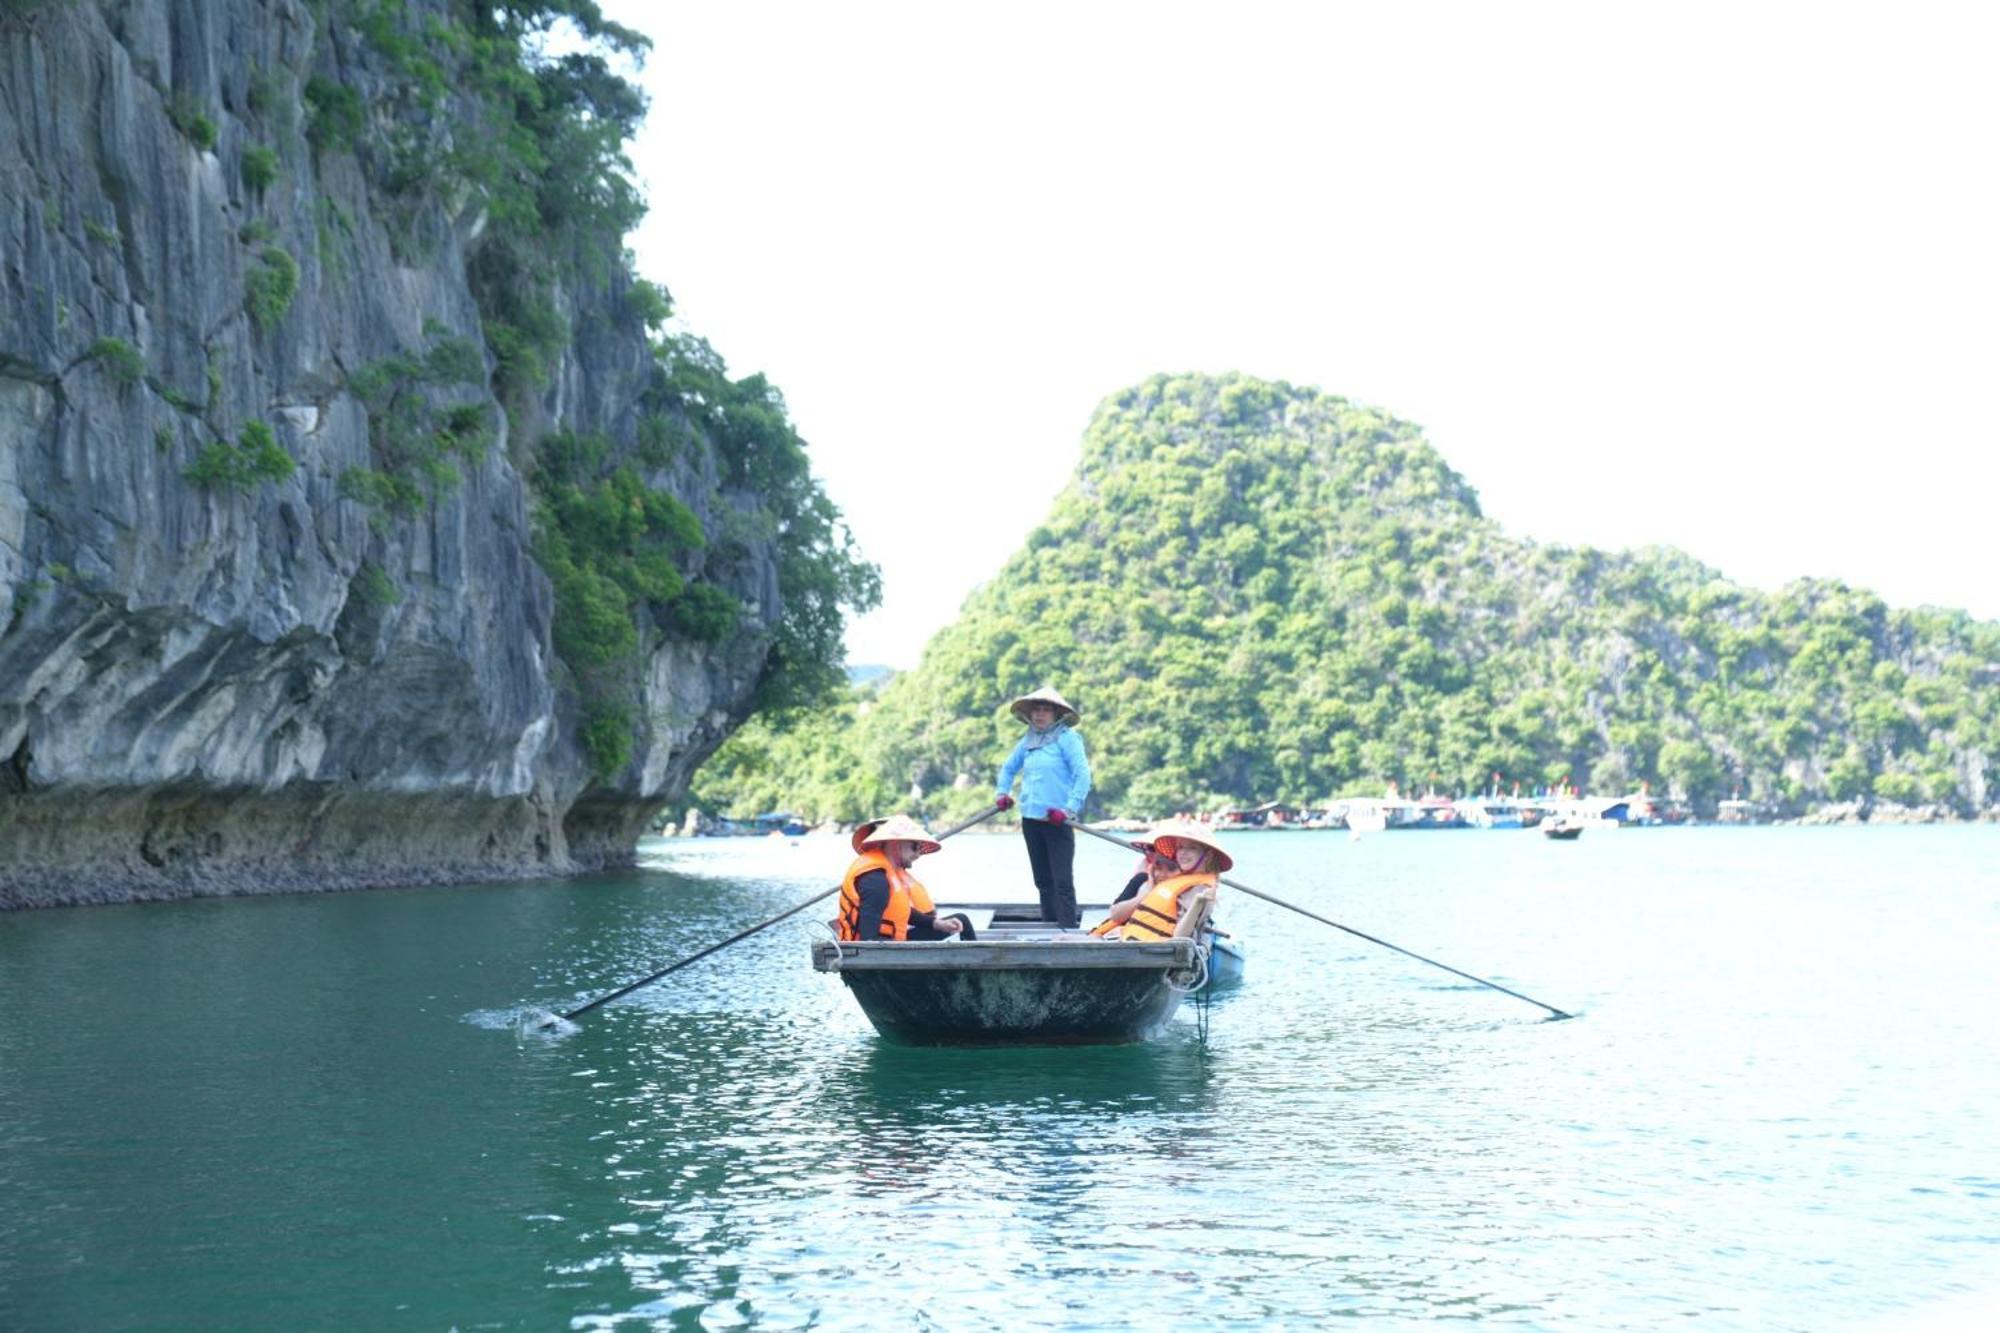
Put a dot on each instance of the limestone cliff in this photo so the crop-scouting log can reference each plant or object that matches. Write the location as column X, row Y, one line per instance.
column 273, row 606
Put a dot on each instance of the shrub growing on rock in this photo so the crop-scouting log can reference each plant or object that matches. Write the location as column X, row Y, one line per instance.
column 270, row 286
column 260, row 167
column 121, row 360
column 255, row 457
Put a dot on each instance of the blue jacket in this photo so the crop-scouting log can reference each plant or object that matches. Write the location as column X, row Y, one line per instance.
column 1056, row 775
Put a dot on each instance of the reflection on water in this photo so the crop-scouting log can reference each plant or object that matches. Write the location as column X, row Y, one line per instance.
column 1767, row 1116
column 764, row 1184
column 1012, row 1084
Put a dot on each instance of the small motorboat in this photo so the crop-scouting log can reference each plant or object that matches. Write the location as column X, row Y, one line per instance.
column 1562, row 830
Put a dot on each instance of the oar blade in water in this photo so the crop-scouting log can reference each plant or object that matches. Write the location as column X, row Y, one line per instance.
column 541, row 1023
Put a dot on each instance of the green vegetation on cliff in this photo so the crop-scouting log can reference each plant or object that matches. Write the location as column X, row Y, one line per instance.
column 1254, row 591
column 256, row 457
column 477, row 109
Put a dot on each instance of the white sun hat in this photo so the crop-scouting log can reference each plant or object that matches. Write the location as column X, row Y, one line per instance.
column 896, row 828
column 1045, row 695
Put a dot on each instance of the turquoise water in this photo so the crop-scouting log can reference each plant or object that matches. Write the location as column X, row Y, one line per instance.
column 1777, row 1111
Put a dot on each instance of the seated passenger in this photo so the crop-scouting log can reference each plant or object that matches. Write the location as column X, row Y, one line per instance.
column 879, row 899
column 1191, row 859
column 1153, row 867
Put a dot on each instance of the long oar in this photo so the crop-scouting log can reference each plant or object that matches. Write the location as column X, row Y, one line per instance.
column 741, row 935
column 1407, row 953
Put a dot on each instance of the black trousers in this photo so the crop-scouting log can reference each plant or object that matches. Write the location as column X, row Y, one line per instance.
column 1051, row 854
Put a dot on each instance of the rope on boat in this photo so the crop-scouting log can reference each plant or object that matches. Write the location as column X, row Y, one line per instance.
column 839, row 945
column 1200, row 971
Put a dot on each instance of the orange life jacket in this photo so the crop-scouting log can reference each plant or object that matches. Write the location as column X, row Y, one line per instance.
column 1107, row 928
column 905, row 896
column 1158, row 912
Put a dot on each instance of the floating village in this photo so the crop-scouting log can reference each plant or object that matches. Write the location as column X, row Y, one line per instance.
column 1554, row 812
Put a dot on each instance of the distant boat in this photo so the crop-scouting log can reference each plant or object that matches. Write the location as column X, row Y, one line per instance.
column 1563, row 830
column 1270, row 815
column 1366, row 817
column 1434, row 812
column 1646, row 809
column 775, row 823
column 1492, row 812
column 1590, row 811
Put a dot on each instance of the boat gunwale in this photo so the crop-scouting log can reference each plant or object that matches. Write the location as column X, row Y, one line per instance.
column 1059, row 955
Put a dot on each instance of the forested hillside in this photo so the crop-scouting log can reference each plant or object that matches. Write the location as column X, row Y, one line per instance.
column 1254, row 591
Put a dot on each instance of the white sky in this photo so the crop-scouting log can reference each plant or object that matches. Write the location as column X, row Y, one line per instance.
column 1722, row 277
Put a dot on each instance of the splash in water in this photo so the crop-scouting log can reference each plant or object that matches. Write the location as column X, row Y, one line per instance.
column 525, row 1021
column 541, row 1023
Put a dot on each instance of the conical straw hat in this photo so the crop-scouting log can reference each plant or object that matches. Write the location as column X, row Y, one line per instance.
column 861, row 832
column 899, row 828
column 1045, row 695
column 1177, row 831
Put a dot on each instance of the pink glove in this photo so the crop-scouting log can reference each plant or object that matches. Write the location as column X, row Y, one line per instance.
column 1057, row 817
column 1004, row 801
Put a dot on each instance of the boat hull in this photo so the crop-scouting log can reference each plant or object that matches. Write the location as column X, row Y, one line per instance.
column 1014, row 992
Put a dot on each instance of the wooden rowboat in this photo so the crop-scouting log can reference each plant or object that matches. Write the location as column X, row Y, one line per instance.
column 1023, row 982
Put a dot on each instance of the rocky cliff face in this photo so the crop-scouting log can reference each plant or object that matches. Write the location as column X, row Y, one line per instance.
column 223, row 670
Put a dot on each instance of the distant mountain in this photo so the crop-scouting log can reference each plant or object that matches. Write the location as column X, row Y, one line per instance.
column 868, row 674
column 1255, row 591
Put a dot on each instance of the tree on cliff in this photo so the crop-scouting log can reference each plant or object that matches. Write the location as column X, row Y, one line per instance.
column 541, row 143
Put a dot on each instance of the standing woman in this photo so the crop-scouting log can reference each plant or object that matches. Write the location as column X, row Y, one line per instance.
column 1055, row 781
